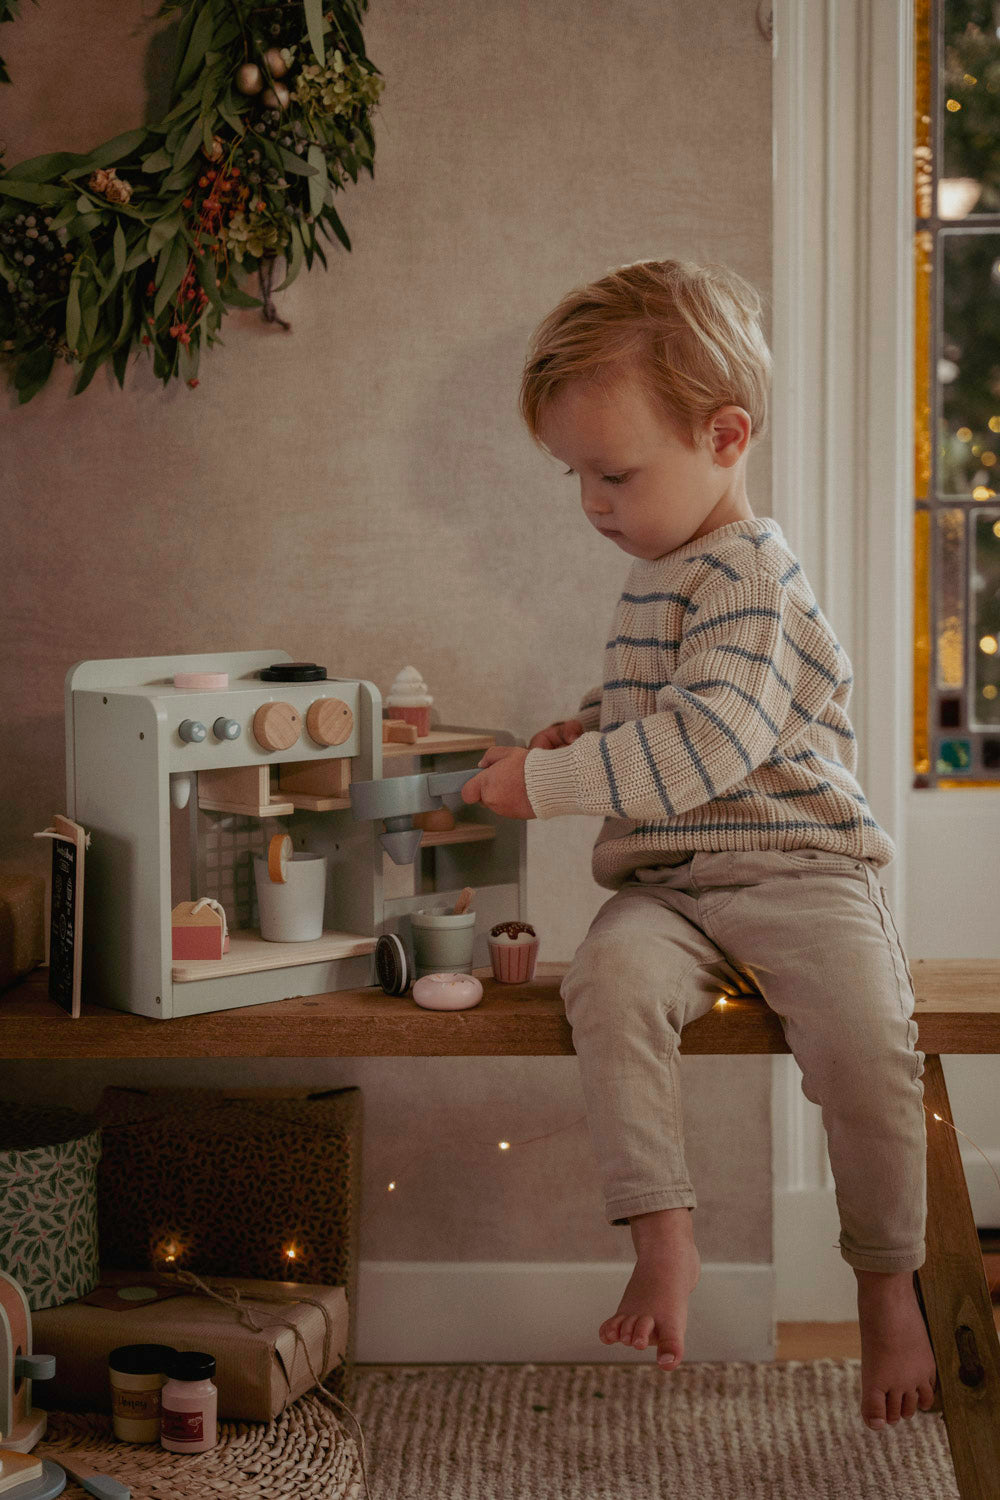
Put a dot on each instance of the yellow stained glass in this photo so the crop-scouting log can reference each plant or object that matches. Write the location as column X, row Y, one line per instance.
column 922, row 109
column 921, row 642
column 950, row 599
column 923, row 246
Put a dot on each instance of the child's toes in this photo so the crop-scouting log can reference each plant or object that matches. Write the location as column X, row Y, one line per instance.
column 628, row 1328
column 908, row 1405
column 669, row 1349
column 610, row 1330
column 925, row 1397
column 873, row 1409
column 643, row 1328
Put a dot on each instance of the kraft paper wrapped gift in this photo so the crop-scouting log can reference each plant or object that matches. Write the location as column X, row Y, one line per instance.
column 257, row 1374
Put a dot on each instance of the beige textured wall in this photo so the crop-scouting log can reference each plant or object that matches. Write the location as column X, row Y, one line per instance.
column 360, row 491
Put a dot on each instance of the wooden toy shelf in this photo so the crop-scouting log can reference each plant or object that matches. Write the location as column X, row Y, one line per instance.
column 250, row 953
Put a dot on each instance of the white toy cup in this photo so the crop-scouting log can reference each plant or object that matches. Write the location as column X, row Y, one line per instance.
column 291, row 910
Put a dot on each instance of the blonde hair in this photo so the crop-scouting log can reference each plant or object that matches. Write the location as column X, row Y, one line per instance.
column 689, row 334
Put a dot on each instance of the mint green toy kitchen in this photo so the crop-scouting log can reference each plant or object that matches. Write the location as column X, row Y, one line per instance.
column 182, row 770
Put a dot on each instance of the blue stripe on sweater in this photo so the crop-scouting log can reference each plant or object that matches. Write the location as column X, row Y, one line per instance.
column 717, row 562
column 641, row 733
column 791, row 825
column 719, row 723
column 652, row 598
column 694, row 754
column 642, row 640
column 811, row 661
column 612, row 784
column 724, row 682
column 754, row 611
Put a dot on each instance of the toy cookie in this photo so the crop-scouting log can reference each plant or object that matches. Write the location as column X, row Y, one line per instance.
column 513, row 950
column 409, row 699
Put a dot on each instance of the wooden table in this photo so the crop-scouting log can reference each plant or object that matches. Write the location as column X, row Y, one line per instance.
column 957, row 1011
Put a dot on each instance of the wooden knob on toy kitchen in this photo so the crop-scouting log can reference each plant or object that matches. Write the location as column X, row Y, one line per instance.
column 276, row 726
column 329, row 721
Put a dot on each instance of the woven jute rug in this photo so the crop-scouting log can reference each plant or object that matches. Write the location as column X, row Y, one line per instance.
column 706, row 1431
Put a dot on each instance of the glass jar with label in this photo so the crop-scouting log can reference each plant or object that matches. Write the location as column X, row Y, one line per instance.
column 189, row 1403
column 137, row 1373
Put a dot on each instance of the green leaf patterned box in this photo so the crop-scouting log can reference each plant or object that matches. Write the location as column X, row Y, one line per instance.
column 48, row 1202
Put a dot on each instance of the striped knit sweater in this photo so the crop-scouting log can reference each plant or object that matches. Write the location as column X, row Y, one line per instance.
column 722, row 720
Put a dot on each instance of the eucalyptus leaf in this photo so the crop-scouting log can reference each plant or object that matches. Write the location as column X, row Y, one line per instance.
column 330, row 215
column 73, row 311
column 157, row 160
column 294, row 262
column 190, row 145
column 173, row 274
column 37, row 168
column 201, row 40
column 237, row 297
column 292, row 163
column 317, row 183
column 120, row 249
column 32, row 192
column 111, row 152
column 162, row 231
column 315, row 28
column 119, row 362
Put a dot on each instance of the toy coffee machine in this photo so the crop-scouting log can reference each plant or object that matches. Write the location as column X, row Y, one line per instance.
column 184, row 769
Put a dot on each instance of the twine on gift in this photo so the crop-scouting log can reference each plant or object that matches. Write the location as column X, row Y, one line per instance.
column 246, row 1317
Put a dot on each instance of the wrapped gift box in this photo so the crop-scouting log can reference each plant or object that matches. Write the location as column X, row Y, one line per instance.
column 48, row 1201
column 257, row 1374
column 228, row 1181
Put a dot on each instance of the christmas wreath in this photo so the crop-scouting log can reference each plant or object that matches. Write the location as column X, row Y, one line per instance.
column 140, row 243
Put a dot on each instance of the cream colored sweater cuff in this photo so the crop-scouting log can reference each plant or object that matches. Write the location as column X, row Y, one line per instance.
column 550, row 779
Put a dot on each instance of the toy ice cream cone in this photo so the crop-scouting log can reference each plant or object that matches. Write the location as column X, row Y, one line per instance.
column 409, row 699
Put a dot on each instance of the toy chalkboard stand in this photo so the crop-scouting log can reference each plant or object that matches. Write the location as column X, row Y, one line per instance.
column 66, row 920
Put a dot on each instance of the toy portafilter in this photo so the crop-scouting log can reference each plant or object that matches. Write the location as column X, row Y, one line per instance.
column 397, row 798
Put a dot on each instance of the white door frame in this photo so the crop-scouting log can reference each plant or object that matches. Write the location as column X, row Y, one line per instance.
column 842, row 450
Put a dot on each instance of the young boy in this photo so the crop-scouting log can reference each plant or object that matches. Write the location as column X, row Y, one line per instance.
column 740, row 848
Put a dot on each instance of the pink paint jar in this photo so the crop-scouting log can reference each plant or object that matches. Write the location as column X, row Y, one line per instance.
column 189, row 1404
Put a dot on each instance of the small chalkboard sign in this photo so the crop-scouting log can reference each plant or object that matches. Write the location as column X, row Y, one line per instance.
column 66, row 920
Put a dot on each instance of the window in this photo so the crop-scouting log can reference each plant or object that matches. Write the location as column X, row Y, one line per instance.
column 956, row 707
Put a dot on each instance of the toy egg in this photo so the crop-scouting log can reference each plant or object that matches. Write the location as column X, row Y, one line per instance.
column 447, row 991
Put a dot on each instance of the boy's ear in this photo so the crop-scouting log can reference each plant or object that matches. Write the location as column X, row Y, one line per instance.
column 730, row 434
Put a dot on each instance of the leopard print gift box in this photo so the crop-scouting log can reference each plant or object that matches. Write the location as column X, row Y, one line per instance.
column 226, row 1181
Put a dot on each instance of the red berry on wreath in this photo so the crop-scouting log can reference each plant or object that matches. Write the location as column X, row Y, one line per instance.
column 192, row 383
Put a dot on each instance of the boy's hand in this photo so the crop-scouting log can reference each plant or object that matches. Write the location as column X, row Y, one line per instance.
column 562, row 733
column 500, row 786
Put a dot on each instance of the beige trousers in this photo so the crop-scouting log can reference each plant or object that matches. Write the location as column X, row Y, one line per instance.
column 812, row 932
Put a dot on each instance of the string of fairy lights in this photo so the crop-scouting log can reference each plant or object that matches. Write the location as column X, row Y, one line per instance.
column 293, row 1258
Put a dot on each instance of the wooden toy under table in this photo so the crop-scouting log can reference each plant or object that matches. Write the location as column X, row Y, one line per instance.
column 957, row 1011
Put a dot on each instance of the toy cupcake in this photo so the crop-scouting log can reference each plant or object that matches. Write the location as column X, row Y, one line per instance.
column 513, row 950
column 409, row 699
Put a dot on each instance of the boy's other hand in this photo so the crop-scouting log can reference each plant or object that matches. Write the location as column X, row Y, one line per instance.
column 500, row 785
column 562, row 733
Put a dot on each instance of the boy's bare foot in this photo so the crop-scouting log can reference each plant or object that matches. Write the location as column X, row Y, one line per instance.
column 654, row 1304
column 898, row 1372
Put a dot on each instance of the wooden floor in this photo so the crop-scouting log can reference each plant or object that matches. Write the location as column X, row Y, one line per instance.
column 828, row 1340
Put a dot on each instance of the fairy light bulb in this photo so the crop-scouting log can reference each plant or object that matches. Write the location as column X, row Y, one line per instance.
column 504, row 1145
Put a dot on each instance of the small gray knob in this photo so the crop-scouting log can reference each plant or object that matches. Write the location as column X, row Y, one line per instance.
column 192, row 731
column 226, row 729
column 35, row 1366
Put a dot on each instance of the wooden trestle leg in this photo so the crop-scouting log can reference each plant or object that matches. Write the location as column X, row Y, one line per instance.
column 951, row 1286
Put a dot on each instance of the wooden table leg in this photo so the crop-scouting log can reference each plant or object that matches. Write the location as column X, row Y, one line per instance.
column 956, row 1304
